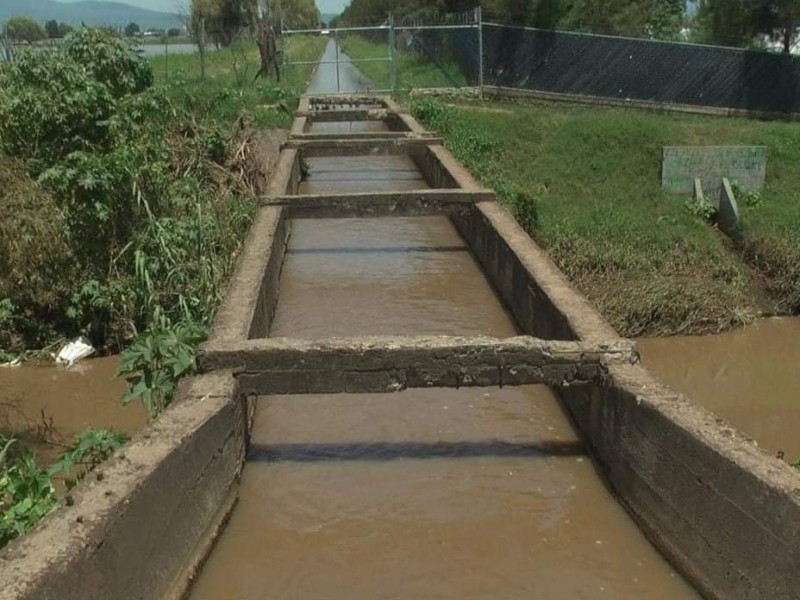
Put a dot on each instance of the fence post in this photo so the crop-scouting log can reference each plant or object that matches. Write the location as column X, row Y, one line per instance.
column 392, row 55
column 479, row 17
column 336, row 43
column 202, row 49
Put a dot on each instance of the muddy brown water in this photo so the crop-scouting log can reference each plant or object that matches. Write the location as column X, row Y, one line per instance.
column 86, row 395
column 394, row 276
column 371, row 173
column 348, row 127
column 749, row 377
column 472, row 493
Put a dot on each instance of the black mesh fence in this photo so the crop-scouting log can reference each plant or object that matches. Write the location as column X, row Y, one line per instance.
column 447, row 47
column 621, row 68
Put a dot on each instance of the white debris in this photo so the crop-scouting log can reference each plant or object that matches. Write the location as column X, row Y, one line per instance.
column 14, row 363
column 75, row 351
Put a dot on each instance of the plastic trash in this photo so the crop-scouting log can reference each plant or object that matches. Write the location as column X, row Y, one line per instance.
column 75, row 351
column 14, row 363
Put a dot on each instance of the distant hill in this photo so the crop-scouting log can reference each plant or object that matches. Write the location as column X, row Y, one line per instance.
column 91, row 12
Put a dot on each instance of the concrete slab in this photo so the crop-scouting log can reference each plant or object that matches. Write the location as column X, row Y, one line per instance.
column 390, row 364
column 380, row 204
column 360, row 145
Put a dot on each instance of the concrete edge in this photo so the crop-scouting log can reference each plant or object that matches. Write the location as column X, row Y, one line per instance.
column 380, row 204
column 299, row 126
column 527, row 279
column 359, row 145
column 347, row 99
column 286, row 172
column 253, row 288
column 411, row 123
column 459, row 172
column 380, row 136
column 715, row 504
column 177, row 475
column 647, row 105
column 390, row 364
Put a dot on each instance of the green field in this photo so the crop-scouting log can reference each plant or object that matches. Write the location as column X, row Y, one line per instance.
column 586, row 184
column 413, row 71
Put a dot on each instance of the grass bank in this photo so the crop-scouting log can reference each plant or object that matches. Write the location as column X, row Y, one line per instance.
column 229, row 88
column 585, row 182
column 413, row 70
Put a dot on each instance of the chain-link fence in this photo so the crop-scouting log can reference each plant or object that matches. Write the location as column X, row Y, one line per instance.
column 634, row 69
column 460, row 50
column 388, row 55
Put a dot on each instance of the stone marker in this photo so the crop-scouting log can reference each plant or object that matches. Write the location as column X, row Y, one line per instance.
column 698, row 190
column 681, row 165
column 728, row 212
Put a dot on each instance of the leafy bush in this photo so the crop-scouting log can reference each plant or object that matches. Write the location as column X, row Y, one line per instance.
column 87, row 451
column 145, row 208
column 50, row 107
column 27, row 493
column 156, row 361
column 112, row 61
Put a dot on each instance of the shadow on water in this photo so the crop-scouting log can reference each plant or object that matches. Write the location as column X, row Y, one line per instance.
column 388, row 451
column 378, row 250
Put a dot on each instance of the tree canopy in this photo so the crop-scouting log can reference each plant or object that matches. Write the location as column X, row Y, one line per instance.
column 650, row 18
column 54, row 29
column 725, row 22
column 23, row 29
column 226, row 19
column 132, row 29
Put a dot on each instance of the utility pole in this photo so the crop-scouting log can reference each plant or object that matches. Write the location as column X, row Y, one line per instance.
column 203, row 49
column 336, row 43
column 479, row 18
column 392, row 56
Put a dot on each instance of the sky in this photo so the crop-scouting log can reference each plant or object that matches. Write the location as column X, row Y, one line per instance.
column 169, row 6
column 325, row 6
column 332, row 6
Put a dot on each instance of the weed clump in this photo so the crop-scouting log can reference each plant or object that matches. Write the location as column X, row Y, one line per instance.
column 27, row 492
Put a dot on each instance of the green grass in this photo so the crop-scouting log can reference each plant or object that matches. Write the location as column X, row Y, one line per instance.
column 413, row 71
column 586, row 184
column 229, row 88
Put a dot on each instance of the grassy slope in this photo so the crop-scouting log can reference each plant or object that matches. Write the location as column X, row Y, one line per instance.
column 412, row 70
column 594, row 176
column 224, row 93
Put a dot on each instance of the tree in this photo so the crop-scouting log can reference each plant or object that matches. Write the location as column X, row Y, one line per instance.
column 296, row 14
column 174, row 32
column 132, row 29
column 778, row 19
column 726, row 22
column 23, row 29
column 666, row 20
column 223, row 19
column 52, row 30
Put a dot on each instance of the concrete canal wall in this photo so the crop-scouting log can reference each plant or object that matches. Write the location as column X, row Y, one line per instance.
column 724, row 512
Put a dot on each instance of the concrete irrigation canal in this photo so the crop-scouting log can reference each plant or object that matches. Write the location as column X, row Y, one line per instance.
column 404, row 398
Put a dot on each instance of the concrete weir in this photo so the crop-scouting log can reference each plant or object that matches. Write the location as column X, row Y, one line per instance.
column 725, row 513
